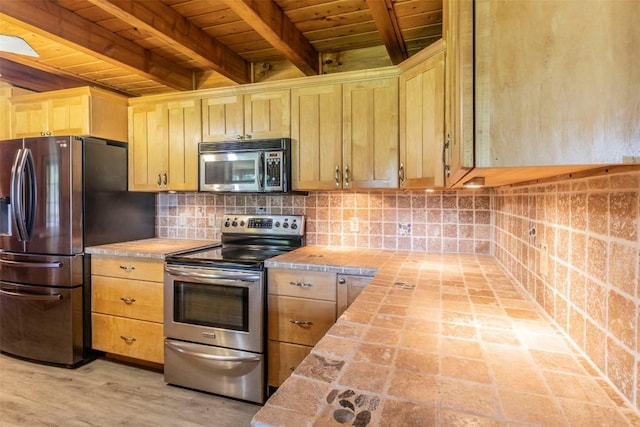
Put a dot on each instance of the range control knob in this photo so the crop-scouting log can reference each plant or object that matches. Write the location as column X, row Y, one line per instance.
column 277, row 224
column 226, row 223
column 241, row 223
column 234, row 223
column 294, row 226
column 285, row 225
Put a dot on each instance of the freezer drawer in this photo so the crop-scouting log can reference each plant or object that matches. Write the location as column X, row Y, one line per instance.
column 47, row 270
column 41, row 323
column 232, row 373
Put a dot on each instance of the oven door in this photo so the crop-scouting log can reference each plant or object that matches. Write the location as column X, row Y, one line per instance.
column 231, row 172
column 214, row 306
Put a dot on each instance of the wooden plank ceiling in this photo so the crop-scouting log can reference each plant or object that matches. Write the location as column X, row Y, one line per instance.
column 161, row 46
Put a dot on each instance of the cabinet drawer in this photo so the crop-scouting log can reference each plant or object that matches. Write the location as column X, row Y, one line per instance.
column 298, row 320
column 127, row 337
column 283, row 359
column 128, row 267
column 302, row 283
column 136, row 299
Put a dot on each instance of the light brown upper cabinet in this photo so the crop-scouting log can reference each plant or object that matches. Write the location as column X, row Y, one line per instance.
column 370, row 134
column 163, row 149
column 422, row 120
column 556, row 87
column 231, row 115
column 345, row 135
column 316, row 133
column 79, row 111
column 6, row 93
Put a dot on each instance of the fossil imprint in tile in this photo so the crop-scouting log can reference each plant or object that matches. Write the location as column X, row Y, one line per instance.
column 352, row 408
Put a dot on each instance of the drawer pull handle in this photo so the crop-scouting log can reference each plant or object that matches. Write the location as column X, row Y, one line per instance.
column 301, row 284
column 128, row 268
column 128, row 340
column 292, row 368
column 127, row 300
column 301, row 322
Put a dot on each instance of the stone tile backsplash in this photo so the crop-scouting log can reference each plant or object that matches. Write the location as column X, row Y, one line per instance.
column 453, row 222
column 587, row 280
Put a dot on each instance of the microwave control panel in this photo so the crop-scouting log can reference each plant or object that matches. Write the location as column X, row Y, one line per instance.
column 273, row 171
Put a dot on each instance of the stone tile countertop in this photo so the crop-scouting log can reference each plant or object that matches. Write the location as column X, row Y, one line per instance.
column 438, row 340
column 149, row 248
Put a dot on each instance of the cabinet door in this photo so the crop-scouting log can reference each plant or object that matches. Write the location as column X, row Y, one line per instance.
column 183, row 132
column 370, row 134
column 223, row 118
column 557, row 94
column 267, row 114
column 147, row 148
column 29, row 119
column 69, row 116
column 422, row 125
column 459, row 155
column 316, row 132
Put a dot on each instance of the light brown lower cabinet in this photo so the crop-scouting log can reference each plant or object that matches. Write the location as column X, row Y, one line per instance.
column 302, row 308
column 127, row 307
column 283, row 359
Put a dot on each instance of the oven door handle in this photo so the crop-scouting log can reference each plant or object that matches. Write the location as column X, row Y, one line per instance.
column 207, row 356
column 212, row 276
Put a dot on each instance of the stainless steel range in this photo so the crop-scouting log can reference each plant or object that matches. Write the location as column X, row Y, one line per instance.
column 215, row 307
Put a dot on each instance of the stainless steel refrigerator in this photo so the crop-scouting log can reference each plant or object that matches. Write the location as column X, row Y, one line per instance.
column 59, row 195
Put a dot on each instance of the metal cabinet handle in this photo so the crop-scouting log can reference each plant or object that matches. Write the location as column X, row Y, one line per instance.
column 165, row 179
column 159, row 180
column 337, row 176
column 401, row 173
column 127, row 268
column 342, row 281
column 445, row 147
column 301, row 322
column 301, row 284
column 128, row 340
column 346, row 176
column 127, row 301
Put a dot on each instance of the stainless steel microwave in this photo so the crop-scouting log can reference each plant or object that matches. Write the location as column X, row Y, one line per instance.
column 246, row 166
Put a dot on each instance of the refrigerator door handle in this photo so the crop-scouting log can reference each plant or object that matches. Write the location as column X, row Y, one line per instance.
column 23, row 168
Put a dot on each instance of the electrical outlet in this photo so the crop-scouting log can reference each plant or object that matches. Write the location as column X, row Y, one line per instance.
column 211, row 220
column 182, row 220
column 544, row 260
column 354, row 224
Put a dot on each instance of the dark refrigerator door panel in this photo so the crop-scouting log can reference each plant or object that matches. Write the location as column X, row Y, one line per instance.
column 43, row 324
column 58, row 226
column 8, row 233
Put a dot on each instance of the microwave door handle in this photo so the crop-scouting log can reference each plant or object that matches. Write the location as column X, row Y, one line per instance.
column 261, row 171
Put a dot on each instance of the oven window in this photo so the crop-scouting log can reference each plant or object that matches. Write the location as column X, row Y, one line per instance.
column 218, row 306
column 230, row 172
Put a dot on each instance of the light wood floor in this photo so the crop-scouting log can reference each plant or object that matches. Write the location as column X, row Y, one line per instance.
column 107, row 393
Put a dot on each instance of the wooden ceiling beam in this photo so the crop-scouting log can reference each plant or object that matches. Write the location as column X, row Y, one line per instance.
column 26, row 77
column 268, row 20
column 169, row 26
column 386, row 21
column 46, row 18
